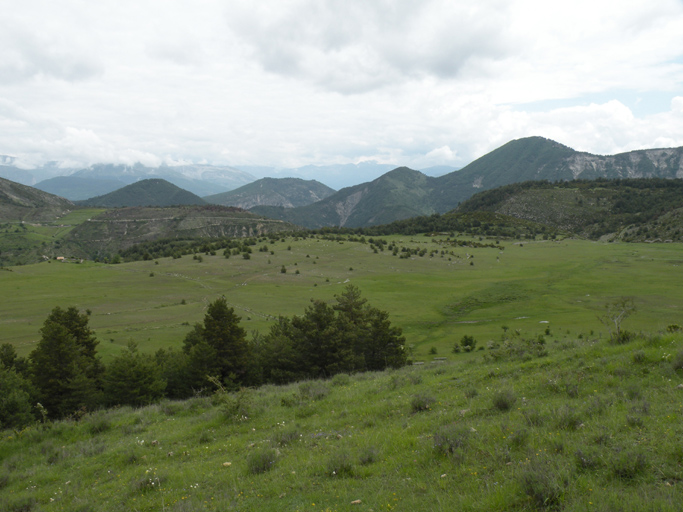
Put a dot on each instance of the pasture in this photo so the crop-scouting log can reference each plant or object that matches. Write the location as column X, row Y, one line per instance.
column 435, row 298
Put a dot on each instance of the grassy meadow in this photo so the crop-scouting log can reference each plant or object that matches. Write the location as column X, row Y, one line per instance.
column 567, row 421
column 435, row 298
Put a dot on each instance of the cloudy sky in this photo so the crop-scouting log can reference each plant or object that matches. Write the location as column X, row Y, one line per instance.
column 288, row 83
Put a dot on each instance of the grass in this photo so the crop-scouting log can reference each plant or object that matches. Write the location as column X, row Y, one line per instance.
column 364, row 440
column 436, row 300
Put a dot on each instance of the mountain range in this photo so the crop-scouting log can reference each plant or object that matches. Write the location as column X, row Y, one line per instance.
column 284, row 192
column 404, row 193
column 149, row 192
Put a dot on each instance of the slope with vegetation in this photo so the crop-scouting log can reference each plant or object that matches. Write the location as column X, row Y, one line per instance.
column 114, row 230
column 626, row 209
column 283, row 192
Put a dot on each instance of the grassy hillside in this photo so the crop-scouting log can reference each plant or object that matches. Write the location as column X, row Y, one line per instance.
column 20, row 203
column 284, row 192
column 150, row 192
column 574, row 424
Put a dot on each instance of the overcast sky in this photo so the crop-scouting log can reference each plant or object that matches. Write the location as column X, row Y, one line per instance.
column 288, row 83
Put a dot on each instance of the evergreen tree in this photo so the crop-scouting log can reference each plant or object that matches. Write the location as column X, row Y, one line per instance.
column 16, row 399
column 219, row 346
column 64, row 366
column 133, row 379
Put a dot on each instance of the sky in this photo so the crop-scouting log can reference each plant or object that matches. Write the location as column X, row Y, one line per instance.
column 288, row 83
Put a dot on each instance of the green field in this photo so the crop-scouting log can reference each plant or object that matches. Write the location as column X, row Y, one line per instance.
column 568, row 421
column 435, row 299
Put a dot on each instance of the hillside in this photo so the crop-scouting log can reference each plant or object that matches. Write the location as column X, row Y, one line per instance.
column 114, row 230
column 629, row 209
column 20, row 203
column 150, row 192
column 75, row 188
column 284, row 192
column 399, row 195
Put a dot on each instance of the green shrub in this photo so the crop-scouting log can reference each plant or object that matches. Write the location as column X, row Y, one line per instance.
column 677, row 363
column 421, row 402
column 368, row 455
column 451, row 440
column 341, row 379
column 261, row 460
column 504, row 400
column 542, row 485
column 639, row 357
column 627, row 464
column 468, row 343
column 339, row 464
column 285, row 437
column 567, row 418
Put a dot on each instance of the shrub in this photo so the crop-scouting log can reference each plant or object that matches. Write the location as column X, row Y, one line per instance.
column 628, row 464
column 341, row 379
column 639, row 357
column 368, row 455
column 586, row 460
column 421, row 402
column 504, row 400
column 261, row 460
column 677, row 363
column 285, row 437
column 533, row 417
column 315, row 390
column 451, row 440
column 339, row 464
column 542, row 485
column 468, row 343
column 567, row 418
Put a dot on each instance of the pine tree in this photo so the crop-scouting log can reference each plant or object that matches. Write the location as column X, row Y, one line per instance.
column 133, row 379
column 64, row 366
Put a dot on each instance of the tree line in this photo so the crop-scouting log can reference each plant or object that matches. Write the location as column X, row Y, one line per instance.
column 64, row 376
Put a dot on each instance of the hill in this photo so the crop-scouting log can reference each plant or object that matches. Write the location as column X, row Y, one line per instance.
column 629, row 209
column 27, row 204
column 104, row 235
column 399, row 195
column 75, row 188
column 150, row 192
column 284, row 192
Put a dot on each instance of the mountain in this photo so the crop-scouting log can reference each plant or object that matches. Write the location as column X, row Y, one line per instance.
column 75, row 188
column 285, row 192
column 399, row 195
column 22, row 203
column 151, row 192
column 114, row 230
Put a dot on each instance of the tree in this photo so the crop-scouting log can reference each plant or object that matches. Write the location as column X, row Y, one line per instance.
column 615, row 314
column 133, row 379
column 64, row 365
column 219, row 346
column 16, row 399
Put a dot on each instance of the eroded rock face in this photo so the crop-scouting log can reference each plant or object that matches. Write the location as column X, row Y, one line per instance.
column 648, row 163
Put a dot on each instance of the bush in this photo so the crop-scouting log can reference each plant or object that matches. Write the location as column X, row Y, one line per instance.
column 285, row 437
column 339, row 464
column 542, row 485
column 421, row 402
column 451, row 440
column 628, row 464
column 341, row 379
column 677, row 363
column 314, row 390
column 261, row 461
column 468, row 343
column 504, row 400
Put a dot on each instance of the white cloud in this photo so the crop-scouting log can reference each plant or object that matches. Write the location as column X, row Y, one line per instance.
column 296, row 82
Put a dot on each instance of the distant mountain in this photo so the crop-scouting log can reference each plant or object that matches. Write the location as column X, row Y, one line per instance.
column 114, row 230
column 22, row 203
column 198, row 179
column 151, row 192
column 399, row 195
column 285, row 192
column 78, row 189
